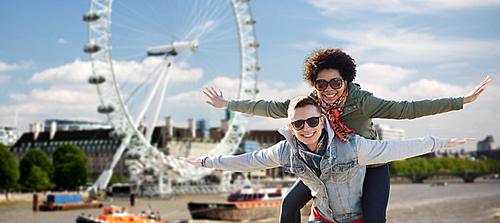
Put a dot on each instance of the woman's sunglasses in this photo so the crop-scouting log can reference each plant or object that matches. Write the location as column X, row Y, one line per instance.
column 311, row 122
column 335, row 83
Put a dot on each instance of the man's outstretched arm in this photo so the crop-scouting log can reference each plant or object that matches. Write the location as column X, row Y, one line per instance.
column 264, row 159
column 376, row 151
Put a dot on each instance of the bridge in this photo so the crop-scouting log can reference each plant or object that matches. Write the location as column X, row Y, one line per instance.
column 468, row 176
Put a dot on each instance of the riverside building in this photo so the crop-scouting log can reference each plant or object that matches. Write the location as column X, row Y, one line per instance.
column 93, row 139
column 9, row 135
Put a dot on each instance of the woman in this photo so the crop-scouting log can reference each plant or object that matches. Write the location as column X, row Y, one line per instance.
column 350, row 110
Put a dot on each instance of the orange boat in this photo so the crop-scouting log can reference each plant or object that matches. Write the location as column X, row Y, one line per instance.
column 116, row 214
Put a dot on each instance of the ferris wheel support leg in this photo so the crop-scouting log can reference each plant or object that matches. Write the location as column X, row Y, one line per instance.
column 149, row 97
column 168, row 187
column 159, row 97
column 102, row 181
column 225, row 183
column 160, row 183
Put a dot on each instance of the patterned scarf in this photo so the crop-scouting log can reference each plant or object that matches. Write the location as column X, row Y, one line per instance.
column 333, row 111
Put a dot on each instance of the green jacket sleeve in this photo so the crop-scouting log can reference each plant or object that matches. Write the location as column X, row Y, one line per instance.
column 374, row 107
column 266, row 108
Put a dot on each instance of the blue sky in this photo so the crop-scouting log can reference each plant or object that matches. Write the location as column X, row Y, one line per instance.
column 404, row 50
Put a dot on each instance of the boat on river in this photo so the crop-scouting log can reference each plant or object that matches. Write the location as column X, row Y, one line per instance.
column 56, row 202
column 244, row 204
column 114, row 214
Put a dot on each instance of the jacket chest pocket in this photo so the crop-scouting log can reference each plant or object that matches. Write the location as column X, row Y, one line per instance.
column 341, row 172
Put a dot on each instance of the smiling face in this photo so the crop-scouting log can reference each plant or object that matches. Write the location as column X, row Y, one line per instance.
column 308, row 135
column 330, row 95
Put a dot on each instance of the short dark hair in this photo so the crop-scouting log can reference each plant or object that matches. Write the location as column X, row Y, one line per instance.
column 329, row 58
column 302, row 101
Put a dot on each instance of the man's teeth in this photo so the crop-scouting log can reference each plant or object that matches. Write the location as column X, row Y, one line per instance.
column 330, row 95
column 309, row 135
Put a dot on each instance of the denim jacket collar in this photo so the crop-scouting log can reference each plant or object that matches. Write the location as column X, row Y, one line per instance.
column 287, row 133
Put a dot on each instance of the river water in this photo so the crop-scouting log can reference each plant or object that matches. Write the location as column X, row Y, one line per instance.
column 455, row 202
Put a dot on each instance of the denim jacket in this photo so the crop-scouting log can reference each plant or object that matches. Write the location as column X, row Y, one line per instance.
column 337, row 191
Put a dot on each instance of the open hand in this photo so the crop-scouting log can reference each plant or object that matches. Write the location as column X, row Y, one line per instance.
column 474, row 94
column 460, row 141
column 193, row 161
column 216, row 99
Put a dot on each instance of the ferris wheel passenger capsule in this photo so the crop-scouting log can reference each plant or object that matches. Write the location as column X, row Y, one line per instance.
column 91, row 17
column 253, row 44
column 150, row 171
column 117, row 134
column 250, row 21
column 106, row 109
column 133, row 155
column 97, row 79
column 91, row 48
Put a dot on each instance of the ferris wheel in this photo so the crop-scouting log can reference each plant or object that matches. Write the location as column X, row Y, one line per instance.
column 164, row 53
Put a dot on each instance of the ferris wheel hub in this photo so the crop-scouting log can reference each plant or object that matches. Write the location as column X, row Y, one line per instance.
column 175, row 47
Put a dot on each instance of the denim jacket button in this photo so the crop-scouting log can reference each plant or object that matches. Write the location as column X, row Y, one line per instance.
column 341, row 168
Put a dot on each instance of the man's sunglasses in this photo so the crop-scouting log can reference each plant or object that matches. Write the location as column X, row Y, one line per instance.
column 311, row 122
column 335, row 83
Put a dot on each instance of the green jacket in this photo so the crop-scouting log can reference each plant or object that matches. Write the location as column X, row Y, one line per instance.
column 361, row 106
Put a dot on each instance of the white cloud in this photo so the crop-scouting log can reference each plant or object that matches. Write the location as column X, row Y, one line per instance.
column 331, row 7
column 382, row 79
column 22, row 66
column 382, row 74
column 430, row 89
column 149, row 68
column 228, row 87
column 388, row 44
column 18, row 96
column 4, row 78
column 61, row 40
column 125, row 71
column 78, row 71
column 64, row 95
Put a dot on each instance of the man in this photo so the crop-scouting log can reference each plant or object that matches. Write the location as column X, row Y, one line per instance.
column 332, row 169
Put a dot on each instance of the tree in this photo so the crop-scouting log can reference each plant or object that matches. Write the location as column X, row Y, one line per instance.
column 9, row 173
column 116, row 179
column 399, row 166
column 70, row 164
column 419, row 165
column 37, row 179
column 491, row 165
column 35, row 157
